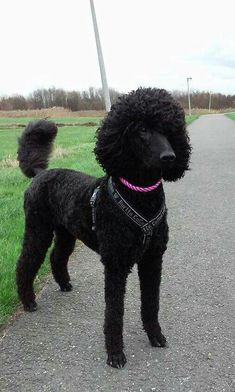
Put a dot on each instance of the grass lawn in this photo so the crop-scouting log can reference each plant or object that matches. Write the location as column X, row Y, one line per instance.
column 73, row 149
column 190, row 119
column 70, row 120
column 231, row 115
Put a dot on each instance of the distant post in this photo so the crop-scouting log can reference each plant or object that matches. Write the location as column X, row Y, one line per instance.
column 189, row 101
column 101, row 60
column 210, row 93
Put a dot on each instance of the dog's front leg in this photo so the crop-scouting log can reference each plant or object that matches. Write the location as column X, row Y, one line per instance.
column 115, row 282
column 149, row 270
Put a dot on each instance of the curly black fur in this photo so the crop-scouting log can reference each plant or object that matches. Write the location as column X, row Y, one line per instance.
column 140, row 129
column 35, row 146
column 145, row 109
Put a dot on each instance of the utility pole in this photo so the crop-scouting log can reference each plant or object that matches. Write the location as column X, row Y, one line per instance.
column 101, row 60
column 210, row 94
column 189, row 102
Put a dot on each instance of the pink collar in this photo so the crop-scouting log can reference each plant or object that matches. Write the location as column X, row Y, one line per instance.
column 139, row 188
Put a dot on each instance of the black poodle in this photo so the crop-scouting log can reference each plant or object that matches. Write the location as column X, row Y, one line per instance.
column 122, row 216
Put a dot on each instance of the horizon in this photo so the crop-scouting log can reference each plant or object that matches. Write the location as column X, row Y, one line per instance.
column 192, row 91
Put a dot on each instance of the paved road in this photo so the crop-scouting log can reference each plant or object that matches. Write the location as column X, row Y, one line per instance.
column 60, row 347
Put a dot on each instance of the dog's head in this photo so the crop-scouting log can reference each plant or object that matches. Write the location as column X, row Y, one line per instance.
column 144, row 131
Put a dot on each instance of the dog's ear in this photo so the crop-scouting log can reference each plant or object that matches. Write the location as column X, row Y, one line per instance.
column 180, row 143
column 112, row 149
column 109, row 148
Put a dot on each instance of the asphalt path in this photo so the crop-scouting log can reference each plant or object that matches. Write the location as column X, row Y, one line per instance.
column 61, row 347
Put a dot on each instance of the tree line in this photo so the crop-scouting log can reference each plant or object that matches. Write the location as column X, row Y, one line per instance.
column 200, row 100
column 92, row 99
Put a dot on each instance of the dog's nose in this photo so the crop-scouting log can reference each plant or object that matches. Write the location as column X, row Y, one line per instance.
column 167, row 157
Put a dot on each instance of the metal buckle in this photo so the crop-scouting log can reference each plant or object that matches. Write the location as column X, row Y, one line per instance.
column 147, row 229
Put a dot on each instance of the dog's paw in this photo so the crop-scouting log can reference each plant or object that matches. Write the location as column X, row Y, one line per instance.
column 30, row 307
column 66, row 287
column 116, row 360
column 158, row 340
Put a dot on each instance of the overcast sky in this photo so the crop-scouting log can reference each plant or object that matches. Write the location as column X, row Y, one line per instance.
column 145, row 43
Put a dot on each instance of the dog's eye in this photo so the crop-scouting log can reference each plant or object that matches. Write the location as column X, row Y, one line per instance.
column 145, row 135
column 142, row 131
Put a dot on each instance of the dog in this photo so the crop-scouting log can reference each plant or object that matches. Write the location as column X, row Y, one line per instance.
column 122, row 216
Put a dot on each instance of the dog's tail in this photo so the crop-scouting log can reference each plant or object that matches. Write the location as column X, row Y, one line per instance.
column 35, row 145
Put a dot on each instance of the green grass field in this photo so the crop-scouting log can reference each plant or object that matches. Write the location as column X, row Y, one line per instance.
column 70, row 120
column 231, row 115
column 192, row 118
column 73, row 149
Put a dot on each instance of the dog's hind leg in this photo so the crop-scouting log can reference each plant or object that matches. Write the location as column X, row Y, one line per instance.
column 63, row 247
column 37, row 239
column 149, row 270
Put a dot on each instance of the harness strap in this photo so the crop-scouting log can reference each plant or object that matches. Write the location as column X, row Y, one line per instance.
column 92, row 204
column 145, row 225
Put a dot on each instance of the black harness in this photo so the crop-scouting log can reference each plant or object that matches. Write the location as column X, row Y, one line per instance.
column 146, row 226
